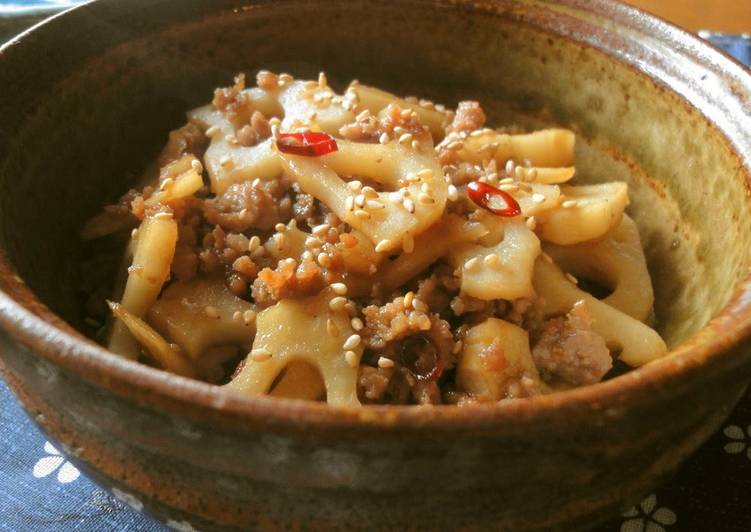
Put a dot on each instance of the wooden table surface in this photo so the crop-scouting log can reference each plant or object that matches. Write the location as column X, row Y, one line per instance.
column 732, row 16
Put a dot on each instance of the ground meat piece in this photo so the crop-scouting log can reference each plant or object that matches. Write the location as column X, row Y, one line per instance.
column 569, row 349
column 469, row 116
column 287, row 280
column 185, row 263
column 435, row 294
column 373, row 382
column 393, row 121
column 186, row 139
column 527, row 313
column 426, row 393
column 244, row 206
column 257, row 130
column 305, row 206
column 225, row 96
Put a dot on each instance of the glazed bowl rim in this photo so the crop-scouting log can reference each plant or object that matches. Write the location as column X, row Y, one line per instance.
column 711, row 348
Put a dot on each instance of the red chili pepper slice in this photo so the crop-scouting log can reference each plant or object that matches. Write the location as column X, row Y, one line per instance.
column 481, row 194
column 309, row 144
column 421, row 358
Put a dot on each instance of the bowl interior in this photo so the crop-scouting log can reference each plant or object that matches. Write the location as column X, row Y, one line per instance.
column 102, row 114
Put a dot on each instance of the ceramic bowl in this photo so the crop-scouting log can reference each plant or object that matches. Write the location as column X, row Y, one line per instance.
column 88, row 98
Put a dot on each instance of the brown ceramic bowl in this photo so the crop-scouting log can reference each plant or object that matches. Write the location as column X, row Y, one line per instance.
column 87, row 99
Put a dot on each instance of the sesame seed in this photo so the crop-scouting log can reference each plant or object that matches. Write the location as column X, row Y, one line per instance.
column 167, row 183
column 134, row 234
column 321, row 229
column 506, row 181
column 351, row 358
column 260, row 251
column 231, row 138
column 260, row 354
column 408, row 298
column 306, row 255
column 357, row 324
column 408, row 243
column 337, row 303
column 383, row 245
column 409, row 205
column 471, row 263
column 395, row 197
column 323, row 259
column 331, row 328
column 226, row 162
column 360, row 200
column 425, row 187
column 406, row 113
column 163, row 215
column 349, row 203
column 532, row 174
column 322, row 81
column 490, row 259
column 374, row 204
column 384, row 138
column 453, row 193
column 355, row 185
column 274, row 121
column 423, row 322
column 280, row 228
column 249, row 316
column 425, row 198
column 415, row 144
column 339, row 288
column 412, row 177
column 537, row 198
column 280, row 240
column 352, row 342
column 406, row 138
column 312, row 242
column 519, row 173
column 508, row 188
column 254, row 242
column 211, row 130
column 440, row 108
column 237, row 316
column 531, row 223
column 369, row 192
column 196, row 165
column 419, row 305
column 572, row 278
column 510, row 167
column 456, row 145
column 360, row 213
column 385, row 363
column 363, row 115
column 569, row 204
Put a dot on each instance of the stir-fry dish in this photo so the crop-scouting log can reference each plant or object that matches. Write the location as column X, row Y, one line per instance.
column 362, row 248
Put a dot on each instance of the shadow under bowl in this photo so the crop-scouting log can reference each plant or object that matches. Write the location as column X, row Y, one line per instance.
column 88, row 98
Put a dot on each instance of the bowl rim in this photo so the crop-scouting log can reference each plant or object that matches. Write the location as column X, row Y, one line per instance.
column 711, row 349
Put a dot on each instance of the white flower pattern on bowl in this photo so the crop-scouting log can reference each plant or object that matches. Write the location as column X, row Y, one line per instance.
column 738, row 440
column 647, row 517
column 54, row 461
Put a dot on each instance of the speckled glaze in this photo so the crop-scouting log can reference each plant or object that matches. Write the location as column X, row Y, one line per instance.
column 87, row 100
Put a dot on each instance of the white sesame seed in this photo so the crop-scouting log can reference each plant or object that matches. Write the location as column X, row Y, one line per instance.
column 406, row 138
column 531, row 223
column 260, row 354
column 456, row 145
column 360, row 200
column 134, row 234
column 231, row 138
column 211, row 130
column 537, row 198
column 312, row 242
column 406, row 113
column 506, row 181
column 395, row 197
column 408, row 243
column 383, row 245
column 322, row 81
column 196, row 165
column 384, row 138
column 280, row 240
column 519, row 173
column 357, row 324
column 352, row 342
column 572, row 278
column 360, row 213
column 415, row 144
column 211, row 311
column 337, row 303
column 323, row 259
column 363, row 115
column 249, row 316
column 510, row 167
column 408, row 298
column 355, row 185
column 374, row 204
column 226, row 162
column 339, row 288
column 331, row 328
column 260, row 251
column 412, row 177
column 532, row 174
column 425, row 187
column 409, row 205
column 385, row 363
column 419, row 305
column 280, row 228
column 351, row 358
column 369, row 192
column 167, row 183
column 569, row 204
column 321, row 229
column 491, row 259
column 254, row 242
column 306, row 255
column 237, row 316
column 163, row 215
column 453, row 193
column 471, row 263
column 349, row 203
